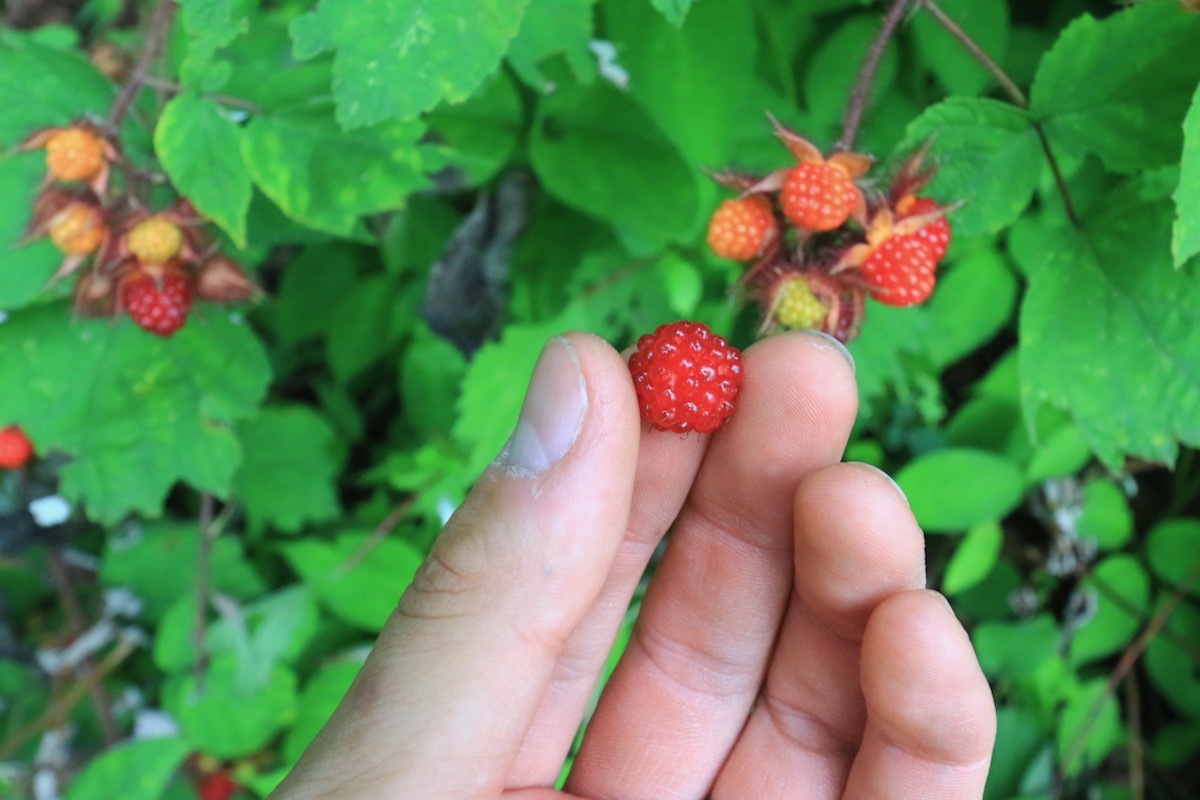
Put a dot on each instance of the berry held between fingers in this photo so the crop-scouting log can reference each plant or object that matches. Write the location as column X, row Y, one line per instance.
column 742, row 228
column 686, row 377
column 15, row 448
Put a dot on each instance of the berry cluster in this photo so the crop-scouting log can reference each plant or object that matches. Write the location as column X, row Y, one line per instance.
column 146, row 264
column 819, row 241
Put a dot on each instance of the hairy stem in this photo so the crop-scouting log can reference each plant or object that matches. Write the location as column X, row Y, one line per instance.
column 866, row 75
column 1006, row 83
column 160, row 27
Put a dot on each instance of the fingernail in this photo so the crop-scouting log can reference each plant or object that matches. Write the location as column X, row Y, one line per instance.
column 890, row 480
column 829, row 343
column 552, row 416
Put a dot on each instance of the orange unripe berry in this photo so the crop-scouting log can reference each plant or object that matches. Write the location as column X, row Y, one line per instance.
column 155, row 240
column 818, row 196
column 742, row 228
column 796, row 306
column 78, row 229
column 75, row 154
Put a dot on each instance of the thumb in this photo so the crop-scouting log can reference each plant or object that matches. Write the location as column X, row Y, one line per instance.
column 443, row 703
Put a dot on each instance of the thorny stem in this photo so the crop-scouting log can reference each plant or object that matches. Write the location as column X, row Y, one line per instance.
column 1011, row 89
column 77, row 623
column 866, row 75
column 1128, row 659
column 160, row 26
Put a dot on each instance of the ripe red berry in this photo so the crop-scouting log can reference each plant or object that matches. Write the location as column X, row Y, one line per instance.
column 742, row 228
column 158, row 301
column 15, row 448
column 686, row 377
column 936, row 235
column 901, row 271
column 217, row 786
column 818, row 196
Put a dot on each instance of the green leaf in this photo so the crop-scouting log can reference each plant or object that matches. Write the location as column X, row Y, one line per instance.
column 1173, row 549
column 553, row 27
column 360, row 585
column 988, row 155
column 673, row 10
column 327, row 179
column 321, row 696
column 210, row 26
column 833, row 68
column 1185, row 238
column 985, row 21
column 1058, row 454
column 1106, row 516
column 431, row 374
column 25, row 271
column 973, row 302
column 228, row 718
column 288, row 474
column 890, row 339
column 1171, row 661
column 692, row 82
column 1016, row 650
column 990, row 423
column 200, row 148
column 360, row 330
column 1020, row 736
column 480, row 135
column 136, row 412
column 64, row 84
column 399, row 59
column 1116, row 620
column 596, row 151
column 136, row 769
column 1103, row 87
column 957, row 488
column 1101, row 332
column 974, row 558
column 1089, row 726
column 158, row 562
column 494, row 389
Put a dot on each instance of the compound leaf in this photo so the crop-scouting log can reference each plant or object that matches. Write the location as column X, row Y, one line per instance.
column 396, row 60
column 1105, row 88
column 1107, row 333
column 136, row 413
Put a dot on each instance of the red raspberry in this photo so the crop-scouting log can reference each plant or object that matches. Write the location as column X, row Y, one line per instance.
column 742, row 228
column 15, row 448
column 818, row 196
column 937, row 233
column 217, row 786
column 686, row 377
column 901, row 271
column 157, row 300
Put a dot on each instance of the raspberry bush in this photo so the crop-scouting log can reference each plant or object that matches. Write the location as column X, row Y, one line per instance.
column 271, row 290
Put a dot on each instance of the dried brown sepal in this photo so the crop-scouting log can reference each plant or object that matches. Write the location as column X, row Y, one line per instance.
column 221, row 280
column 95, row 294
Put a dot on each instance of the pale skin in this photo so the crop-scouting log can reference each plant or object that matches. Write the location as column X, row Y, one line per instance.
column 786, row 647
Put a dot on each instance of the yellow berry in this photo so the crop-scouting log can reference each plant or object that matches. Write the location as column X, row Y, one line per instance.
column 78, row 229
column 75, row 154
column 796, row 306
column 155, row 240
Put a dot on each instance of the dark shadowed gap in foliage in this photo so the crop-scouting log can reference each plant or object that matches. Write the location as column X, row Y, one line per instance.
column 464, row 301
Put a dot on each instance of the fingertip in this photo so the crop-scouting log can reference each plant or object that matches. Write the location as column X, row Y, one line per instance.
column 925, row 691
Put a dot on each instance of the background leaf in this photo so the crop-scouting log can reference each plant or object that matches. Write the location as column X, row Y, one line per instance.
column 1185, row 237
column 136, row 770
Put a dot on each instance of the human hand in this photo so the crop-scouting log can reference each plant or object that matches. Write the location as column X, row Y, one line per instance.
column 786, row 646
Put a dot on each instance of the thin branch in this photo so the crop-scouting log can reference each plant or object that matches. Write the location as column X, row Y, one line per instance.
column 160, row 27
column 178, row 88
column 1006, row 83
column 54, row 715
column 210, row 528
column 385, row 527
column 866, row 75
column 1128, row 659
column 60, row 574
column 1137, row 747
